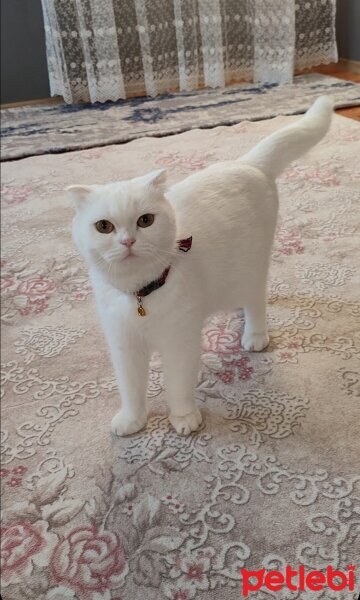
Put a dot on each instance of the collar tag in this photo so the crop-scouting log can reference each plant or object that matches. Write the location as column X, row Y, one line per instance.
column 141, row 310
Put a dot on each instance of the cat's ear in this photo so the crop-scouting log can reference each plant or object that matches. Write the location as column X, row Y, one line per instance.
column 79, row 194
column 156, row 179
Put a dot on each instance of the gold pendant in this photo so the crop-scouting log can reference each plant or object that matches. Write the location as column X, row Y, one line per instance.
column 141, row 309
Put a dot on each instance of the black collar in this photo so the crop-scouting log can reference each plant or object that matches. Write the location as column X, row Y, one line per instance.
column 184, row 246
column 153, row 285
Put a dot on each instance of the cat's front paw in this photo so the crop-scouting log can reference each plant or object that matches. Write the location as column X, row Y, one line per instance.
column 254, row 342
column 186, row 424
column 123, row 424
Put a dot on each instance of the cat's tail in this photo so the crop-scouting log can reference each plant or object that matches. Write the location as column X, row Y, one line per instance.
column 274, row 153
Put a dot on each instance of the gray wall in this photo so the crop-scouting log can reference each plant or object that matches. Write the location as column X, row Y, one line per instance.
column 23, row 60
column 348, row 28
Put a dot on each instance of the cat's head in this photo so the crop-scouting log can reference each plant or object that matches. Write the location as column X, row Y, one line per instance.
column 125, row 230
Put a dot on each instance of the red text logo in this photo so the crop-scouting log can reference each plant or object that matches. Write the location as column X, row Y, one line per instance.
column 298, row 580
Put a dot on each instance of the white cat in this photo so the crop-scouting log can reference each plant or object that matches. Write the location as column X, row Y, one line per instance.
column 128, row 234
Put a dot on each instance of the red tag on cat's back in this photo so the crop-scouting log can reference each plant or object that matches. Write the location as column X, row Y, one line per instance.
column 185, row 245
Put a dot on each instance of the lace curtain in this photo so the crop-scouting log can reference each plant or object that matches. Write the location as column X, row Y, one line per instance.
column 111, row 49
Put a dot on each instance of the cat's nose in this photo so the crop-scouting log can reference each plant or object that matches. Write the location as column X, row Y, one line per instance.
column 128, row 242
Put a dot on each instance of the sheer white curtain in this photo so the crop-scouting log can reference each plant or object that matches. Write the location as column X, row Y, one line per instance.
column 110, row 49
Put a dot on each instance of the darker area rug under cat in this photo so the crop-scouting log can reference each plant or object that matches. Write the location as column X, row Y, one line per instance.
column 33, row 130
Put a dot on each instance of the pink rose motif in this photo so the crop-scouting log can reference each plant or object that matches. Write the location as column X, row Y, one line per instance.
column 290, row 241
column 180, row 595
column 37, row 288
column 194, row 163
column 167, row 160
column 241, row 362
column 323, row 176
column 295, row 343
column 246, row 373
column 221, row 341
column 7, row 282
column 186, row 162
column 226, row 377
column 82, row 293
column 4, row 472
column 14, row 481
column 24, row 544
column 128, row 510
column 173, row 503
column 15, row 195
column 239, row 366
column 34, row 306
column 195, row 572
column 20, row 470
column 192, row 572
column 39, row 305
column 89, row 561
column 287, row 356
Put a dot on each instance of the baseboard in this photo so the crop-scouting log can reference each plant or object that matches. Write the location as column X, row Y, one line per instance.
column 46, row 101
column 352, row 65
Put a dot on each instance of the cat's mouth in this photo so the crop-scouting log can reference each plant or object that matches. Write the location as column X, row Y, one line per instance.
column 129, row 255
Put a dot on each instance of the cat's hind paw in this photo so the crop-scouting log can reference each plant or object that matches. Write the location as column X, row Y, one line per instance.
column 254, row 342
column 187, row 423
column 122, row 424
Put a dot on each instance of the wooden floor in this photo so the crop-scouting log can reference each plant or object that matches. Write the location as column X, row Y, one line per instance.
column 344, row 69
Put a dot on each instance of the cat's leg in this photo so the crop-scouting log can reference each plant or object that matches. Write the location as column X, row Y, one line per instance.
column 131, row 362
column 181, row 361
column 255, row 337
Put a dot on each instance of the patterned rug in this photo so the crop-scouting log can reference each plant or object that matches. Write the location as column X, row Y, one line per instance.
column 273, row 476
column 28, row 131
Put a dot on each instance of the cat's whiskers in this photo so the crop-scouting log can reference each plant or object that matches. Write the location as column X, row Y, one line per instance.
column 111, row 254
column 171, row 253
column 104, row 265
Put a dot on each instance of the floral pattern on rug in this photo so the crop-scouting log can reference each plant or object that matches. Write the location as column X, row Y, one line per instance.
column 273, row 475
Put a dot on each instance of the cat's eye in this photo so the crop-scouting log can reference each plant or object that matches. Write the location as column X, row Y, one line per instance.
column 104, row 226
column 145, row 220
